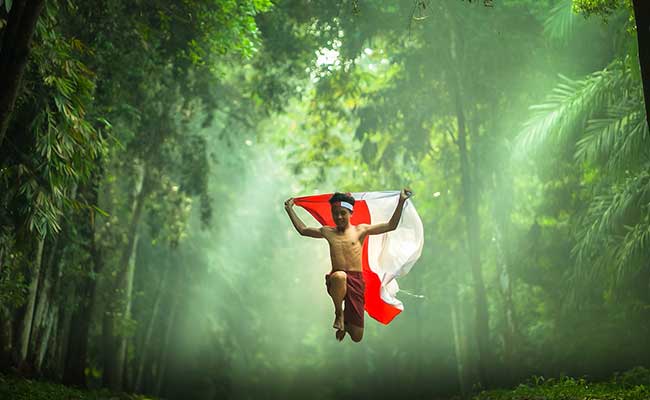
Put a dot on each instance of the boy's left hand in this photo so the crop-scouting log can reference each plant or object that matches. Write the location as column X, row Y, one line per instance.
column 405, row 194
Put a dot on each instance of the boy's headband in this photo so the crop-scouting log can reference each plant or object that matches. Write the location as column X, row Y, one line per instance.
column 344, row 204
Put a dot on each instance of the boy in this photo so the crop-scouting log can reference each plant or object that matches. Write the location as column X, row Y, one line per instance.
column 345, row 281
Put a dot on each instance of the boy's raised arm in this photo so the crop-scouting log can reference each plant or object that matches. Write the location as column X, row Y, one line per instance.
column 391, row 225
column 298, row 224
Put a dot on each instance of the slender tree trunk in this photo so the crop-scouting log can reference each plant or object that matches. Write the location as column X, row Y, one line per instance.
column 6, row 331
column 165, row 349
column 470, row 211
column 26, row 325
column 43, row 305
column 42, row 344
column 114, row 371
column 459, row 348
column 14, row 53
column 108, row 347
column 642, row 17
column 65, row 322
column 505, row 292
column 6, row 338
column 76, row 359
column 49, row 350
column 147, row 338
column 123, row 339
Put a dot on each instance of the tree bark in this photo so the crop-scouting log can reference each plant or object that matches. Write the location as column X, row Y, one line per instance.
column 14, row 53
column 642, row 18
column 459, row 348
column 26, row 325
column 149, row 333
column 43, row 305
column 165, row 349
column 114, row 368
column 470, row 211
column 63, row 332
column 76, row 359
column 505, row 292
column 44, row 338
column 123, row 339
column 6, row 338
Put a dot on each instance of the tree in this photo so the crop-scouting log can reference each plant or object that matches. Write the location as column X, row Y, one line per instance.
column 14, row 53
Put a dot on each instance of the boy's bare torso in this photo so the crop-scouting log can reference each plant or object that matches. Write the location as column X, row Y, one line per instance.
column 345, row 247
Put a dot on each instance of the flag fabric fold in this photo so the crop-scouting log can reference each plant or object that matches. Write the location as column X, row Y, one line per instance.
column 385, row 257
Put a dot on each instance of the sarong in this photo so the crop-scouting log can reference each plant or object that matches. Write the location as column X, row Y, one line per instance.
column 354, row 297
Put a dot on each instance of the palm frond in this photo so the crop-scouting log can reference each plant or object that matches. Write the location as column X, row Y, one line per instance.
column 619, row 138
column 560, row 22
column 610, row 233
column 632, row 251
column 570, row 105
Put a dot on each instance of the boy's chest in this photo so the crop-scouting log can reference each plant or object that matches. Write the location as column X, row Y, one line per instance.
column 347, row 240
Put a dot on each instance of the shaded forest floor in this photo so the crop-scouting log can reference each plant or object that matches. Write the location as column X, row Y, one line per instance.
column 15, row 388
column 630, row 385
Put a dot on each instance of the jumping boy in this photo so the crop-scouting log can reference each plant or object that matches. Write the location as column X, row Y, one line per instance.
column 345, row 280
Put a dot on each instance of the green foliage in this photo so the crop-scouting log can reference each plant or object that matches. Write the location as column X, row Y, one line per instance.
column 630, row 385
column 24, row 389
column 600, row 7
column 53, row 106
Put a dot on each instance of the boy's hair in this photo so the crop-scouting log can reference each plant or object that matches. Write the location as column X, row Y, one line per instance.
column 336, row 197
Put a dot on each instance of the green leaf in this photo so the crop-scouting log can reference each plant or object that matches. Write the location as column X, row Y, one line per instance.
column 99, row 210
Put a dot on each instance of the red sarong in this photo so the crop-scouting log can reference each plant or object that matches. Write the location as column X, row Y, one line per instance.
column 354, row 297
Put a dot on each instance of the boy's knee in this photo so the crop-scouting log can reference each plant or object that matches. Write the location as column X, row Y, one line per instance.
column 338, row 275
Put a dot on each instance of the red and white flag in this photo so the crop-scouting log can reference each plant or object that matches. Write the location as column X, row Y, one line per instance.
column 385, row 257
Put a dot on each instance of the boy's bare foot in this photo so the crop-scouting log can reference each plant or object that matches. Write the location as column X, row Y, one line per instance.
column 338, row 323
column 340, row 335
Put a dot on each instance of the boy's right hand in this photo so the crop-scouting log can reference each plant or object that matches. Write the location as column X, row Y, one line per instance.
column 288, row 203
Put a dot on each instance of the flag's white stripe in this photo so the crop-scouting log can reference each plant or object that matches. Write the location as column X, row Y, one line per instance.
column 392, row 254
column 375, row 195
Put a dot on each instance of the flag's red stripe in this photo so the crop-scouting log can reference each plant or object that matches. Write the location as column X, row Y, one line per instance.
column 319, row 207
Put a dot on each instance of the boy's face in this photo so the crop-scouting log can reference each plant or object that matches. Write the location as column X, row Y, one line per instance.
column 341, row 216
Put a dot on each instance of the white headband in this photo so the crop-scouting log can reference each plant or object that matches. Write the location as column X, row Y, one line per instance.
column 344, row 204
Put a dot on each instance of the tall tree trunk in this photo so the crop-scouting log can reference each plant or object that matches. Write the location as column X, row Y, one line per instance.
column 123, row 339
column 147, row 338
column 6, row 338
column 505, row 291
column 43, row 304
column 642, row 17
column 470, row 212
column 14, row 53
column 76, row 358
column 165, row 349
column 114, row 369
column 50, row 348
column 459, row 342
column 44, row 339
column 501, row 208
column 26, row 324
column 63, row 333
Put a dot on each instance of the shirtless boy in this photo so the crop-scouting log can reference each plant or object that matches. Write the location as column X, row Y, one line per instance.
column 345, row 281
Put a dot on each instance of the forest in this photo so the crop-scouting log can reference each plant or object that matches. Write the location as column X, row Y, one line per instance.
column 147, row 148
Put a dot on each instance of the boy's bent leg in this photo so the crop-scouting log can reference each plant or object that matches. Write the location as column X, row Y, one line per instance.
column 336, row 288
